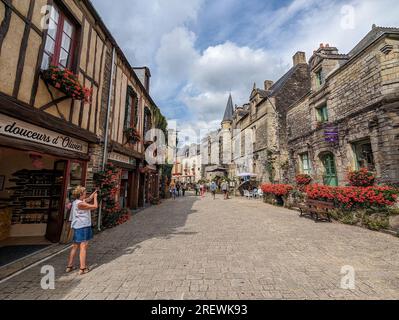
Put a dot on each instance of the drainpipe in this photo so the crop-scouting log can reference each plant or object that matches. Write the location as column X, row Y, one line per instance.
column 106, row 136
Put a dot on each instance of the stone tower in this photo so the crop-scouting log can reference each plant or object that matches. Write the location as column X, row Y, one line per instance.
column 228, row 114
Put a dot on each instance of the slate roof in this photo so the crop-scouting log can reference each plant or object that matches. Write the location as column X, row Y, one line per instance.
column 281, row 82
column 373, row 35
column 276, row 87
column 228, row 114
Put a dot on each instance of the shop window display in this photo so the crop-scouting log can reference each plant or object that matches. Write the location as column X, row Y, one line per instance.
column 35, row 193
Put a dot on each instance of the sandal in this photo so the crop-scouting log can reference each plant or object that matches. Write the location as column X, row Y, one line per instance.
column 84, row 271
column 69, row 269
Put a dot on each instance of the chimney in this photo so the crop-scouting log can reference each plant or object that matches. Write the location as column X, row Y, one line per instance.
column 299, row 58
column 268, row 84
column 144, row 75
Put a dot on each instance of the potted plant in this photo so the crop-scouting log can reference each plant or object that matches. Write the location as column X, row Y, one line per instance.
column 361, row 178
column 67, row 82
column 132, row 135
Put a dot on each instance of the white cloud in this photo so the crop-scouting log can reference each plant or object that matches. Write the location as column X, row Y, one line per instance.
column 321, row 22
column 175, row 60
column 210, row 76
column 197, row 82
column 140, row 25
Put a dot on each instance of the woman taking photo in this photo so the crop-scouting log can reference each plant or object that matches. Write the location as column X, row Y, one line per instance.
column 82, row 229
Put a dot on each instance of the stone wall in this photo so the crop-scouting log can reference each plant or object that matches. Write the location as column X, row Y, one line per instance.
column 360, row 98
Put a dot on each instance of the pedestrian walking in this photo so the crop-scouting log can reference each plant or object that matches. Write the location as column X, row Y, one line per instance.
column 202, row 190
column 184, row 189
column 225, row 188
column 196, row 188
column 172, row 190
column 80, row 219
column 178, row 189
column 213, row 189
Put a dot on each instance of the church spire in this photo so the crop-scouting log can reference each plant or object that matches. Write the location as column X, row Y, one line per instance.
column 228, row 114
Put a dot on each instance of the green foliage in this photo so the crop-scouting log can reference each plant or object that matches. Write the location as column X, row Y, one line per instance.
column 269, row 166
column 160, row 122
column 376, row 222
column 108, row 183
column 370, row 219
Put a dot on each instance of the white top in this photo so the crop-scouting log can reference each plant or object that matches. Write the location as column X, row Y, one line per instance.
column 79, row 218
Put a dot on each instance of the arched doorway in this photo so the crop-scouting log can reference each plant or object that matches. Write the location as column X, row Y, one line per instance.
column 330, row 177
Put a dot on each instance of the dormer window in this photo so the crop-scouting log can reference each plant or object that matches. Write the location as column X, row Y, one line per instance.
column 320, row 78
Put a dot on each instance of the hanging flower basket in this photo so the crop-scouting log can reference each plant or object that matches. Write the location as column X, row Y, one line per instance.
column 65, row 81
column 132, row 135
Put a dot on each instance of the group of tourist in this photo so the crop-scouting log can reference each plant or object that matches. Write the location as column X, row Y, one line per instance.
column 177, row 188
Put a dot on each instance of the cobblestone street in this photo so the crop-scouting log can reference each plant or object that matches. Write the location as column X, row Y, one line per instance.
column 215, row 249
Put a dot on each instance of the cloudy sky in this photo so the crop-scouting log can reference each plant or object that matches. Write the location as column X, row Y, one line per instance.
column 200, row 50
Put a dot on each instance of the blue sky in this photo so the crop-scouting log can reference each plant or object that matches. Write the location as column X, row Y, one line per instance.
column 200, row 50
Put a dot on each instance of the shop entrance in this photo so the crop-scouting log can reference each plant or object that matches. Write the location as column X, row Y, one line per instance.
column 34, row 193
column 124, row 190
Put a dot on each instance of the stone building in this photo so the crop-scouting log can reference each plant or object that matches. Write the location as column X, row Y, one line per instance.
column 52, row 140
column 350, row 117
column 216, row 147
column 259, row 127
column 187, row 168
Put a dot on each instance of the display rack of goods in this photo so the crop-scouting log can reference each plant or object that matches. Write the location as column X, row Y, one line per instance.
column 36, row 193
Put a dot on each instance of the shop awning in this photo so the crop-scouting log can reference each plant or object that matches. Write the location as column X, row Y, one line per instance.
column 246, row 174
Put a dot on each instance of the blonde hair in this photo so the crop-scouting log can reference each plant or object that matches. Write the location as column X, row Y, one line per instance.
column 78, row 192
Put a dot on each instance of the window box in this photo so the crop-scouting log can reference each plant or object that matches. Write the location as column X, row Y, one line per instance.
column 65, row 81
column 132, row 135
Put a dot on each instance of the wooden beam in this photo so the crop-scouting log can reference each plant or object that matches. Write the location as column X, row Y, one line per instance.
column 77, row 62
column 22, row 111
column 92, row 84
column 36, row 80
column 5, row 24
column 98, row 89
column 22, row 51
column 117, row 147
column 8, row 4
column 91, row 79
column 54, row 102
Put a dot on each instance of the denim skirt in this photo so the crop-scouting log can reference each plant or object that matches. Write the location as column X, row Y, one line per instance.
column 82, row 235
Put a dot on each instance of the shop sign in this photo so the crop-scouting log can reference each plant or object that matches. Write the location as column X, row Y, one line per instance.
column 22, row 130
column 113, row 156
column 331, row 134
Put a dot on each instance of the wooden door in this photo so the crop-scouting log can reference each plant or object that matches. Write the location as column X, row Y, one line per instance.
column 330, row 171
column 57, row 202
column 141, row 189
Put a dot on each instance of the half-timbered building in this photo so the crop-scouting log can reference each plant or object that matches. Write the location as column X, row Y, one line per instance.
column 56, row 129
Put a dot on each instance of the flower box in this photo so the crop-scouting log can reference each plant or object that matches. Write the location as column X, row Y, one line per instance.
column 132, row 135
column 303, row 179
column 65, row 81
column 361, row 178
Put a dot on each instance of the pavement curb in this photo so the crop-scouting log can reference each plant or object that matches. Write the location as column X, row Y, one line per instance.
column 25, row 262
